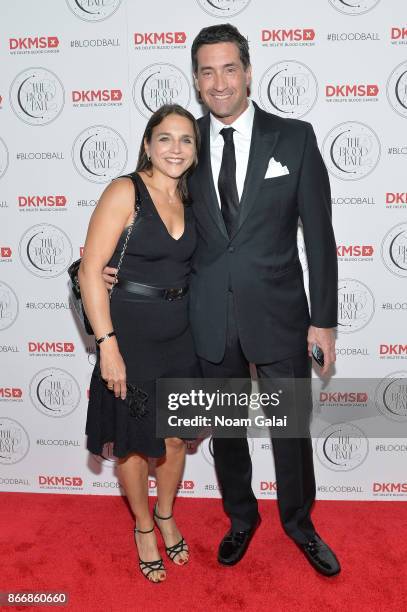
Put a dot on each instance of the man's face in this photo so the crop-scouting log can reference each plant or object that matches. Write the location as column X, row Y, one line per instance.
column 222, row 80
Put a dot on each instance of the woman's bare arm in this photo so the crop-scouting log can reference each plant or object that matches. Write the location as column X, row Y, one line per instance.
column 113, row 213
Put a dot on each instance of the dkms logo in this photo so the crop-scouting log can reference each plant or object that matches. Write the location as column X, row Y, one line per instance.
column 394, row 250
column 351, row 151
column 45, row 250
column 54, row 392
column 342, row 447
column 391, row 396
column 8, row 306
column 397, row 89
column 14, row 442
column 354, row 7
column 99, row 154
column 223, row 8
column 37, row 96
column 160, row 84
column 93, row 10
column 3, row 157
column 288, row 89
column 356, row 306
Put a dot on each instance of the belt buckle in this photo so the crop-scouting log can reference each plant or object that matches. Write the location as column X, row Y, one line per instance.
column 173, row 294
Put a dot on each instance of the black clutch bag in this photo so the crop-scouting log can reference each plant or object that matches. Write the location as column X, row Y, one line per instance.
column 136, row 399
column 73, row 270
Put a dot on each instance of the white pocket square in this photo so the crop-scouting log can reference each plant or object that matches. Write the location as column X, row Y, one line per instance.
column 275, row 169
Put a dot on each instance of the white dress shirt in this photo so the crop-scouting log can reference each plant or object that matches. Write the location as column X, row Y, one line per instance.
column 241, row 137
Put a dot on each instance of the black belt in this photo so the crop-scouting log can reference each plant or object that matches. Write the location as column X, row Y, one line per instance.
column 170, row 294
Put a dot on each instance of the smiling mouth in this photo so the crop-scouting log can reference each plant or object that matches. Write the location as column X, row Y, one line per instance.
column 221, row 96
column 174, row 160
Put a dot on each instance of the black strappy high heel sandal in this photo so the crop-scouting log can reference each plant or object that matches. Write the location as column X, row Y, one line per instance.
column 147, row 567
column 176, row 549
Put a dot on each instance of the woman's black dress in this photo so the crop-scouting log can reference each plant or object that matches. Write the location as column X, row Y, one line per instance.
column 153, row 334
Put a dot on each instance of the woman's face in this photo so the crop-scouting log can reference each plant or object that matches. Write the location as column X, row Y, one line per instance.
column 172, row 147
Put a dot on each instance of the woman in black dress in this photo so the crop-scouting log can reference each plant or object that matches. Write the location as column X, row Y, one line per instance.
column 142, row 332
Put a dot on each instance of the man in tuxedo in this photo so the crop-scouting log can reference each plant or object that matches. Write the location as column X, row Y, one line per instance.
column 257, row 175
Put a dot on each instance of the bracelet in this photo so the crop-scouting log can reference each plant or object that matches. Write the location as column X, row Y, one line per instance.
column 105, row 337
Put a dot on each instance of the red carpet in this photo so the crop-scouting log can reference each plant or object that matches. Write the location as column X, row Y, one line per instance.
column 84, row 545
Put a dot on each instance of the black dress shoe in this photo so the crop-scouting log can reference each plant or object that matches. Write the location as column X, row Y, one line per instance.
column 234, row 545
column 321, row 557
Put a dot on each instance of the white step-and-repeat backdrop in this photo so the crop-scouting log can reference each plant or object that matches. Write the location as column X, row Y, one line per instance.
column 79, row 78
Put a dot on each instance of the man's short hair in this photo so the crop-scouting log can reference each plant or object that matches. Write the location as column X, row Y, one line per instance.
column 225, row 32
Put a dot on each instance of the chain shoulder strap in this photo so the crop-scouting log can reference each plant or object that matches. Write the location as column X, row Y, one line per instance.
column 137, row 209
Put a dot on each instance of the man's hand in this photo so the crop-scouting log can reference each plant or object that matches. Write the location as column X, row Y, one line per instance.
column 325, row 339
column 108, row 277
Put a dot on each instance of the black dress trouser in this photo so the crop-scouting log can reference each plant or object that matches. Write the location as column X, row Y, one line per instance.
column 293, row 457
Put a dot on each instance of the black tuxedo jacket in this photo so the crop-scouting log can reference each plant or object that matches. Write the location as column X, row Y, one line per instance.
column 260, row 262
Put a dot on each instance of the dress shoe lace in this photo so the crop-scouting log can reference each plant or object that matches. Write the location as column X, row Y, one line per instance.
column 321, row 557
column 312, row 546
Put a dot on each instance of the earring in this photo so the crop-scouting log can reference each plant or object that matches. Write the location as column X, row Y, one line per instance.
column 148, row 157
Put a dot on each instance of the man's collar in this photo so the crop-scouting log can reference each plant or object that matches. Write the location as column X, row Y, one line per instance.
column 243, row 124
